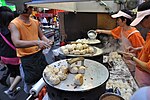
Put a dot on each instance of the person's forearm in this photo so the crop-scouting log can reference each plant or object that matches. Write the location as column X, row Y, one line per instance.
column 25, row 44
column 104, row 32
column 107, row 32
column 141, row 64
column 139, row 48
column 44, row 38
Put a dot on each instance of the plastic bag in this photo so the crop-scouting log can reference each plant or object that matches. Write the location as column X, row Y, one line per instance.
column 46, row 51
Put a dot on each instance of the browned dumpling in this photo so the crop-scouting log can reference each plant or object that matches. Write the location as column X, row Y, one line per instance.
column 65, row 51
column 82, row 52
column 62, row 76
column 85, row 46
column 91, row 50
column 69, row 47
column 73, row 70
column 79, row 46
column 49, row 71
column 81, row 69
column 56, row 70
column 54, row 79
column 78, row 80
column 77, row 52
column 64, row 69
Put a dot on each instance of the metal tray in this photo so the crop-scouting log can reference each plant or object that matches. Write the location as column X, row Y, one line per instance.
column 97, row 51
column 90, row 41
column 95, row 75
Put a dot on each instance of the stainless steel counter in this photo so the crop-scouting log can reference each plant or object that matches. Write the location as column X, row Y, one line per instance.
column 121, row 78
column 120, row 75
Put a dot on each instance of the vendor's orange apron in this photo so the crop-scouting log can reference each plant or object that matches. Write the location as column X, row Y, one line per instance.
column 125, row 44
column 142, row 77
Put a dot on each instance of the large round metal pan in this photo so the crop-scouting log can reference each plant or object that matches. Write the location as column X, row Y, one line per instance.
column 97, row 51
column 95, row 75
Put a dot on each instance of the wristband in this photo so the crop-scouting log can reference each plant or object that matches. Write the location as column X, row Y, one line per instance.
column 132, row 58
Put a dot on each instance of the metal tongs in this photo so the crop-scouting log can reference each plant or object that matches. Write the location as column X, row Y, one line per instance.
column 73, row 60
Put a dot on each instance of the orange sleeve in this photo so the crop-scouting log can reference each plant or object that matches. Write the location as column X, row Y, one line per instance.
column 148, row 63
column 116, row 32
column 148, row 36
column 136, row 40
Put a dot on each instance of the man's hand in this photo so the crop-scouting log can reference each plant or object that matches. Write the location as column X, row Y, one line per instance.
column 50, row 43
column 98, row 31
column 43, row 45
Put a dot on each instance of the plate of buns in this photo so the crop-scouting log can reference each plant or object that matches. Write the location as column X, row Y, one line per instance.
column 76, row 76
column 80, row 49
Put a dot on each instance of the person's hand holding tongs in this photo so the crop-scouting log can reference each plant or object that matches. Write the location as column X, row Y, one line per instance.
column 127, row 55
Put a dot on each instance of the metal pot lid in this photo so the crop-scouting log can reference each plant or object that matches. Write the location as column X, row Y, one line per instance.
column 95, row 75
